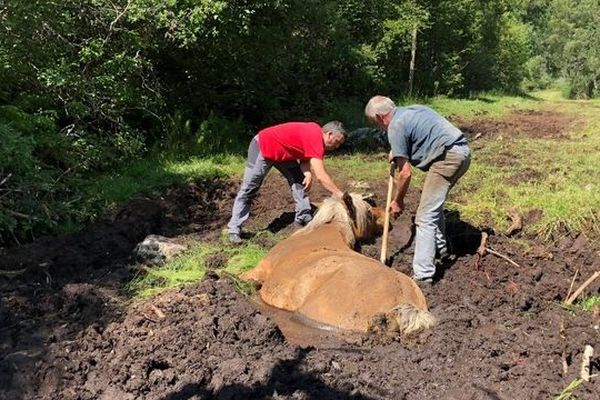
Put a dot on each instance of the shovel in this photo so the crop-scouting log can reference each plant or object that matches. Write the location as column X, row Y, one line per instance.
column 386, row 224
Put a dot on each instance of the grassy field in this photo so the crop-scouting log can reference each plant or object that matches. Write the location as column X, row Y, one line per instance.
column 566, row 172
column 565, row 188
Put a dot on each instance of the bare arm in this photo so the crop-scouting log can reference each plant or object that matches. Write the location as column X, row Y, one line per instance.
column 402, row 183
column 318, row 168
column 305, row 168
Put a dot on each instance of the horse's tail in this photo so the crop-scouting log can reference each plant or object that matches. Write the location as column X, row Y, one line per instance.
column 411, row 319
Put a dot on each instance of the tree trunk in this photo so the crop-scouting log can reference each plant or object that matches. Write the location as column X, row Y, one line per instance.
column 413, row 53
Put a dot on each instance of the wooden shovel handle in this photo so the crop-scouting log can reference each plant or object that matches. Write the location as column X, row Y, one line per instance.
column 386, row 224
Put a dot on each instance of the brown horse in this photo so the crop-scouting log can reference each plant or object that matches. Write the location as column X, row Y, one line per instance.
column 317, row 274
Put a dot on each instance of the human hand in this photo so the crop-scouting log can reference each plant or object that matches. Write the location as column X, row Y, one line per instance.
column 396, row 208
column 390, row 158
column 339, row 195
column 307, row 181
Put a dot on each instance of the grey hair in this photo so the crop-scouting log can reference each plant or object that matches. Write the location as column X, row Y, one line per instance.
column 335, row 127
column 379, row 105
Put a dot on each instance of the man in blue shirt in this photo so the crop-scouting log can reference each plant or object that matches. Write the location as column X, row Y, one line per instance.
column 421, row 137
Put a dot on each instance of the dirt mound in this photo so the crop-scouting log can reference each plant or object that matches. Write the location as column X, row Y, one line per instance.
column 206, row 336
column 499, row 336
column 536, row 124
column 67, row 331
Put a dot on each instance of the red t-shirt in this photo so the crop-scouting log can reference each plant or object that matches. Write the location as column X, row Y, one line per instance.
column 291, row 141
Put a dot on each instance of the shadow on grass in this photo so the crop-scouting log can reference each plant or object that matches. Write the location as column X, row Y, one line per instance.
column 486, row 100
column 281, row 222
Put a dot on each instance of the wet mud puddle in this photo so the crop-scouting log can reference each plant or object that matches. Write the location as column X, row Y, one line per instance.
column 305, row 332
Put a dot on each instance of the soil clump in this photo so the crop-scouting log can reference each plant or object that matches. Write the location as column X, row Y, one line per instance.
column 535, row 124
column 69, row 331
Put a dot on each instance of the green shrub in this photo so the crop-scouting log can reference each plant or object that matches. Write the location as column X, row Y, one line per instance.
column 28, row 189
column 536, row 74
column 217, row 135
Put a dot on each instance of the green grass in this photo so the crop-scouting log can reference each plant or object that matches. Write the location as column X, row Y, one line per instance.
column 156, row 173
column 186, row 268
column 567, row 392
column 589, row 303
column 557, row 177
column 488, row 105
column 360, row 167
column 244, row 258
column 192, row 265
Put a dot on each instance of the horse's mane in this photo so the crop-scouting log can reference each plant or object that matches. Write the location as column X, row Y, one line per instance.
column 334, row 211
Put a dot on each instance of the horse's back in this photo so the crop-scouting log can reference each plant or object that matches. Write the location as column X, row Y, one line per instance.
column 292, row 275
column 360, row 289
column 316, row 274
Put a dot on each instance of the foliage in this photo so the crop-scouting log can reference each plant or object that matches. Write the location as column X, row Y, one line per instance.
column 567, row 38
column 96, row 85
column 536, row 74
column 31, row 186
column 589, row 303
column 192, row 265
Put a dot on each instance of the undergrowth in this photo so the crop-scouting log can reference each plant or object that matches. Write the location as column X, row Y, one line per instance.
column 192, row 265
column 561, row 188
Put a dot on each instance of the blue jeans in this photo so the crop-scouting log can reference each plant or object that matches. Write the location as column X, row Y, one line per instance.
column 431, row 228
column 256, row 170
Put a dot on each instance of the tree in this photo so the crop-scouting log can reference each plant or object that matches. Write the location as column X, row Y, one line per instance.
column 573, row 38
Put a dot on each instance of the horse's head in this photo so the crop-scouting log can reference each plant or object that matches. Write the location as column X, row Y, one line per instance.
column 357, row 218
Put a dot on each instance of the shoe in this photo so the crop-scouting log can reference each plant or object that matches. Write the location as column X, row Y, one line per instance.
column 445, row 257
column 300, row 224
column 234, row 238
column 423, row 282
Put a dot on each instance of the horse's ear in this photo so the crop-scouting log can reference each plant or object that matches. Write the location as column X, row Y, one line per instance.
column 347, row 199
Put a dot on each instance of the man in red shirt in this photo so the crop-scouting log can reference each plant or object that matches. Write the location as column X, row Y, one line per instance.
column 294, row 148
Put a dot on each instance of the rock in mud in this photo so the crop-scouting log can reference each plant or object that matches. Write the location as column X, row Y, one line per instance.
column 156, row 250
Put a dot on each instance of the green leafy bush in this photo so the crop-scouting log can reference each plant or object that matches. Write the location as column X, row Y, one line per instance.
column 96, row 85
column 28, row 187
column 536, row 74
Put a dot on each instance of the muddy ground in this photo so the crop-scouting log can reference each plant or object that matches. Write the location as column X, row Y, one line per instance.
column 536, row 124
column 68, row 330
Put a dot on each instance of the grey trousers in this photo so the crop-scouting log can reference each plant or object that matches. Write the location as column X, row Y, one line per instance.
column 431, row 228
column 256, row 171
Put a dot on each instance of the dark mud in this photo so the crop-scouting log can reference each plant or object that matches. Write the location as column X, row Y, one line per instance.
column 536, row 124
column 68, row 331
